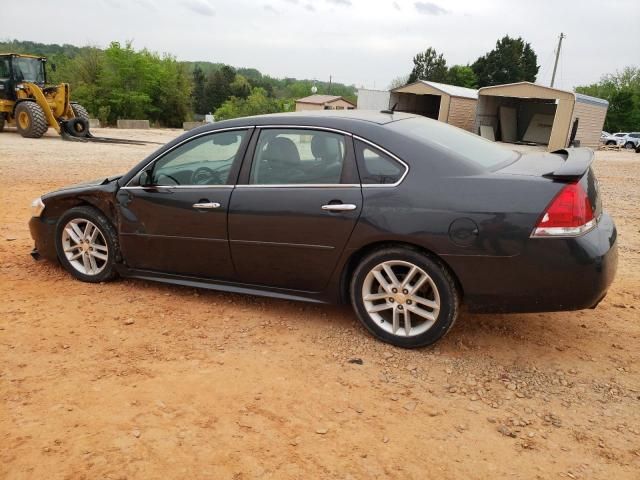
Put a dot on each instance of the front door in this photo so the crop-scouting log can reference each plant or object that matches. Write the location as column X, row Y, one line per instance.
column 293, row 213
column 174, row 213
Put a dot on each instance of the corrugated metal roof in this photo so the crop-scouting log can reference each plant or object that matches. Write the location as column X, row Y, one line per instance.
column 319, row 99
column 452, row 90
column 582, row 98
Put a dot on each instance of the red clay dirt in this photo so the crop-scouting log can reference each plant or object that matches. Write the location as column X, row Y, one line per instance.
column 138, row 380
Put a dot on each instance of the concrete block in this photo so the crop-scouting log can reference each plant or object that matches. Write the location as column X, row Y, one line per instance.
column 94, row 123
column 136, row 124
column 191, row 125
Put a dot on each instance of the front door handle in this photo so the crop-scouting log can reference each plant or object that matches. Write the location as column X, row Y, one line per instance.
column 339, row 207
column 207, row 205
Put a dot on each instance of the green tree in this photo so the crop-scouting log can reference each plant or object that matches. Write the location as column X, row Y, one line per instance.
column 240, row 87
column 462, row 76
column 197, row 94
column 257, row 103
column 428, row 65
column 218, row 87
column 512, row 60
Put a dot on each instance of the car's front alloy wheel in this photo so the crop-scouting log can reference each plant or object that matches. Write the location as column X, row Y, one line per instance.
column 404, row 297
column 87, row 244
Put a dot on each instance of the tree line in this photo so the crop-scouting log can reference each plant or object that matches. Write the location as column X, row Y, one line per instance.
column 122, row 82
column 622, row 91
column 512, row 60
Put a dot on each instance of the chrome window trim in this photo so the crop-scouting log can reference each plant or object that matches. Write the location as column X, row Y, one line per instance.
column 211, row 132
column 394, row 157
column 299, row 185
column 293, row 185
column 306, row 127
column 176, row 187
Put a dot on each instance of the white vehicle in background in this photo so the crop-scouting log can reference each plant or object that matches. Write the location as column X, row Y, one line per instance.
column 614, row 139
column 631, row 140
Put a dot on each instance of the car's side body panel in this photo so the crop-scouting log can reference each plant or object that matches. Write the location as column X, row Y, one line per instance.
column 278, row 241
column 160, row 230
column 282, row 237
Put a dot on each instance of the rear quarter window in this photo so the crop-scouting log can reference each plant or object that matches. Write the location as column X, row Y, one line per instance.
column 376, row 167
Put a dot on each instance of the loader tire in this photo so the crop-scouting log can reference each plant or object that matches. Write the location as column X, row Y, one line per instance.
column 1, row 122
column 77, row 127
column 79, row 111
column 30, row 120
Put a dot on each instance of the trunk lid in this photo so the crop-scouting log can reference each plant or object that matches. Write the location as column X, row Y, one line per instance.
column 562, row 166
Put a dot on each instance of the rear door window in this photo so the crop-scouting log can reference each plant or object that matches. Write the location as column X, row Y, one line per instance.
column 298, row 157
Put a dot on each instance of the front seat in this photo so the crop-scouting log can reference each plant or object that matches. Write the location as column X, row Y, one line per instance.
column 280, row 162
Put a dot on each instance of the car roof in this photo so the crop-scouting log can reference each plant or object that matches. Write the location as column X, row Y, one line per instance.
column 318, row 117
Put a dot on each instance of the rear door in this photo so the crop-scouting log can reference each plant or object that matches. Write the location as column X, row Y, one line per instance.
column 176, row 220
column 295, row 207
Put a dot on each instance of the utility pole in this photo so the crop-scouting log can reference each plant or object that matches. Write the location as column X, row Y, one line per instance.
column 555, row 65
column 330, row 84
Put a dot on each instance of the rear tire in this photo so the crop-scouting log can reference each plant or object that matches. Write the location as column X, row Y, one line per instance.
column 415, row 308
column 30, row 120
column 629, row 146
column 2, row 120
column 87, row 245
column 79, row 111
column 611, row 142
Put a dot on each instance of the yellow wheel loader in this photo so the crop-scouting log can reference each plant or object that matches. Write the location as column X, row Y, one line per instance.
column 27, row 103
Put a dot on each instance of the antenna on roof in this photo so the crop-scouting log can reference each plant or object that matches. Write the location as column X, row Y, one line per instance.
column 390, row 111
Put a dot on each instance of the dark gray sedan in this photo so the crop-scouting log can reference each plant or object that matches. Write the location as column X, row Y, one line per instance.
column 404, row 217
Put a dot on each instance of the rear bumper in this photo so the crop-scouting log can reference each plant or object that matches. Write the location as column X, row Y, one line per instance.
column 549, row 275
column 43, row 234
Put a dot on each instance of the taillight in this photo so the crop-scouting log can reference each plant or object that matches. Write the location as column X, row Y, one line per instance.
column 569, row 214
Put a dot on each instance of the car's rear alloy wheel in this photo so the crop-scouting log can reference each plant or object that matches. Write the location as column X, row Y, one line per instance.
column 87, row 244
column 404, row 297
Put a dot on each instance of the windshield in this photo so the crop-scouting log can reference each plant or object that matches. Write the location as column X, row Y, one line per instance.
column 28, row 69
column 473, row 148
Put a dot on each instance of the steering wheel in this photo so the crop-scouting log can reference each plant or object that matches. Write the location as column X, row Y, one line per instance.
column 162, row 180
column 205, row 176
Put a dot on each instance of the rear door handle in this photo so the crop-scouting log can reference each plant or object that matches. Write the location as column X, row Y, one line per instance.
column 339, row 207
column 207, row 205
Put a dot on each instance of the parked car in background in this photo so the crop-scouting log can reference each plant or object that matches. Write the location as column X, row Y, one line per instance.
column 631, row 140
column 614, row 139
column 404, row 217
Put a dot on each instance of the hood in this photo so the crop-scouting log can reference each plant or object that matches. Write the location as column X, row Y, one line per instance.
column 91, row 183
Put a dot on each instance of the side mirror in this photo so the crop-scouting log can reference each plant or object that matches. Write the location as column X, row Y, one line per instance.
column 146, row 178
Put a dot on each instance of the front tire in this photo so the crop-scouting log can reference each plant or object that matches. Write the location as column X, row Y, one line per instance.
column 629, row 146
column 87, row 245
column 30, row 120
column 611, row 142
column 404, row 297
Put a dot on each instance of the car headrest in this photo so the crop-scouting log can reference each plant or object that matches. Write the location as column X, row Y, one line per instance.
column 325, row 148
column 281, row 151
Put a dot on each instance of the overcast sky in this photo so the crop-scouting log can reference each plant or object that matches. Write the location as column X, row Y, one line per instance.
column 361, row 42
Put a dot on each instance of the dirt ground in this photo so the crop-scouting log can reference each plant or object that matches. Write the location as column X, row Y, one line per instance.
column 137, row 380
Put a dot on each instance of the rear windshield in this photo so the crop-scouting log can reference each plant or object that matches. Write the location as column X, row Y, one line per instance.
column 473, row 148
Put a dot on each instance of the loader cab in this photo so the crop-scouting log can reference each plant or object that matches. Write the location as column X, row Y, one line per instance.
column 16, row 68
